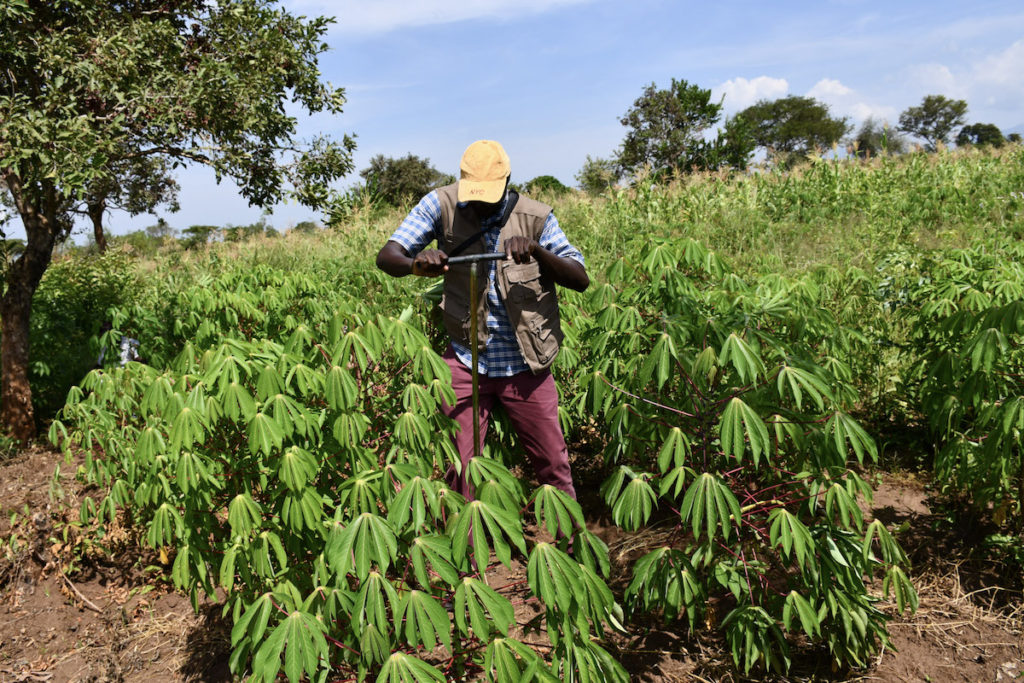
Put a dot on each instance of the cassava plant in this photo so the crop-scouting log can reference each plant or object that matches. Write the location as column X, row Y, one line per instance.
column 724, row 404
column 968, row 347
column 288, row 459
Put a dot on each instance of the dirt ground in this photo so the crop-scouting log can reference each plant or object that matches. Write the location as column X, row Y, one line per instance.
column 114, row 621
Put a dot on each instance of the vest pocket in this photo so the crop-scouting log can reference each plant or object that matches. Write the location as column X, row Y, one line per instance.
column 456, row 315
column 523, row 281
column 544, row 344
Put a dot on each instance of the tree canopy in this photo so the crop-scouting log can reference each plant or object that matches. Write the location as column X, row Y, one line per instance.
column 875, row 138
column 981, row 134
column 546, row 183
column 668, row 131
column 934, row 120
column 793, row 126
column 90, row 88
column 398, row 180
column 597, row 175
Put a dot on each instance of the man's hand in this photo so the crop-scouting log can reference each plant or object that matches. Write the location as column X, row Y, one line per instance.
column 521, row 249
column 430, row 263
column 563, row 270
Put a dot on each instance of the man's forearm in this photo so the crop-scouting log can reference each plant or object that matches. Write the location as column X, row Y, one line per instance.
column 394, row 260
column 564, row 271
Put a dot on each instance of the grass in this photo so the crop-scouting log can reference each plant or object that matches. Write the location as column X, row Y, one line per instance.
column 834, row 213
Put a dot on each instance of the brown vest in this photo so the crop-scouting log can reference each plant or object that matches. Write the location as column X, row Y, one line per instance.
column 529, row 295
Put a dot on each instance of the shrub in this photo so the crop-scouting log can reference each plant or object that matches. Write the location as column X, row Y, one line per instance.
column 724, row 407
column 299, row 477
column 69, row 310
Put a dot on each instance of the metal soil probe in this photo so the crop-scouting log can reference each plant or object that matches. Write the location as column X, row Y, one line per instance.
column 474, row 324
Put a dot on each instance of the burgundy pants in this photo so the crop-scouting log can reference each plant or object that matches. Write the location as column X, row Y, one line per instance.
column 531, row 402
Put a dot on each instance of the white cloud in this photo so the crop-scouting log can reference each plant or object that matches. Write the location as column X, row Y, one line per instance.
column 936, row 79
column 991, row 84
column 845, row 101
column 381, row 16
column 828, row 88
column 740, row 93
column 1003, row 69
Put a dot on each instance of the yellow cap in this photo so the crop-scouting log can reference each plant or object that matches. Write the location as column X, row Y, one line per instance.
column 482, row 174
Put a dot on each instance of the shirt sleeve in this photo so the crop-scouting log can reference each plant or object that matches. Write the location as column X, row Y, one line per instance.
column 554, row 240
column 420, row 227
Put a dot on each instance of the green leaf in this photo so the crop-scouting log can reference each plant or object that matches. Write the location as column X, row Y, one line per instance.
column 469, row 531
column 986, row 347
column 807, row 614
column 300, row 637
column 896, row 580
column 368, row 540
column 798, row 381
column 659, row 361
column 745, row 358
column 244, row 515
column 554, row 577
column 264, row 434
column 349, row 429
column 839, row 501
column 296, row 467
column 253, row 623
column 402, row 668
column 434, row 552
column 665, row 578
column 415, row 503
column 487, row 610
column 340, row 389
column 556, row 511
column 370, row 607
column 186, row 429
column 425, row 621
column 844, row 429
column 674, row 450
column 789, row 533
column 891, row 551
column 634, row 504
column 238, row 403
column 738, row 421
column 707, row 503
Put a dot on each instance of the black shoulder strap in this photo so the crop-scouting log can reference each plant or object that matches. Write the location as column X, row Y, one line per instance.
column 510, row 204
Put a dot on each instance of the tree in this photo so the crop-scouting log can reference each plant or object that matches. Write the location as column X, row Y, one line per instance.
column 135, row 185
column 980, row 134
column 194, row 235
column 307, row 226
column 1014, row 138
column 934, row 120
column 89, row 86
column 794, row 126
column 874, row 139
column 667, row 130
column 397, row 180
column 546, row 183
column 161, row 230
column 597, row 175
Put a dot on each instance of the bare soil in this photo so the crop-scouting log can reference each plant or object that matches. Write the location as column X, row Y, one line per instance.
column 88, row 618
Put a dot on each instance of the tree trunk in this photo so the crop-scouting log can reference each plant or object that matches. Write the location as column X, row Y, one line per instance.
column 17, row 416
column 16, row 411
column 96, row 215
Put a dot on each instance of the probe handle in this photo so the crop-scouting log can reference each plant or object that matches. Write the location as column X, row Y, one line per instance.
column 474, row 258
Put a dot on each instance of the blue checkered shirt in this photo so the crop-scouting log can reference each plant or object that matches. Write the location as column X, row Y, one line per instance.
column 502, row 357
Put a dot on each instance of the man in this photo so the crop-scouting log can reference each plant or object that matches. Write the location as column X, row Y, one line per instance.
column 521, row 337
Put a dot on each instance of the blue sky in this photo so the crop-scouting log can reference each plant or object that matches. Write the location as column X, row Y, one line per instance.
column 550, row 78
